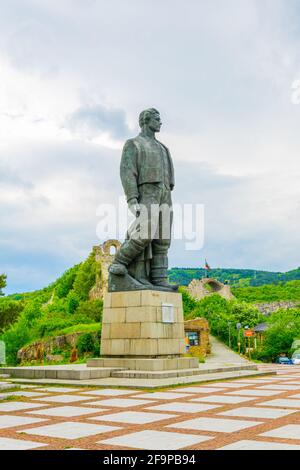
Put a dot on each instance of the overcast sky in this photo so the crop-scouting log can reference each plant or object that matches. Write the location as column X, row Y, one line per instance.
column 74, row 75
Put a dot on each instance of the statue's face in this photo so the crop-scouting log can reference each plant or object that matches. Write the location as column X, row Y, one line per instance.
column 155, row 123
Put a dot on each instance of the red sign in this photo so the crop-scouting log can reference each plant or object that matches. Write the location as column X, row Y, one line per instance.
column 248, row 333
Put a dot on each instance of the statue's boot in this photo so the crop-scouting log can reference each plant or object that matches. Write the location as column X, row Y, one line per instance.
column 128, row 252
column 159, row 273
column 140, row 273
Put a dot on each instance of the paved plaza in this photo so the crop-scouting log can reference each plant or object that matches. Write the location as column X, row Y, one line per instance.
column 260, row 413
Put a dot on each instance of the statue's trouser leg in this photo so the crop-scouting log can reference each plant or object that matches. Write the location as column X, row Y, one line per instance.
column 145, row 226
column 161, row 243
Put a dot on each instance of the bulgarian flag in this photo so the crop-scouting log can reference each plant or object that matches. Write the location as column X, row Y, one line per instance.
column 207, row 267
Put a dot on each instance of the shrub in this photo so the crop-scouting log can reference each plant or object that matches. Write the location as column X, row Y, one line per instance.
column 92, row 309
column 85, row 344
column 72, row 302
column 14, row 339
column 188, row 302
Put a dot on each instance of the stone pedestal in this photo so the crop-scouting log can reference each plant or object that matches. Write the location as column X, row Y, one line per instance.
column 143, row 330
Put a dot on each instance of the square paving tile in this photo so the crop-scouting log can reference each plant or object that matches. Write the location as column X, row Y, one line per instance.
column 297, row 396
column 291, row 431
column 164, row 395
column 134, row 417
column 265, row 379
column 70, row 430
column 198, row 390
column 222, row 399
column 214, row 424
column 67, row 411
column 10, row 421
column 120, row 402
column 292, row 383
column 280, row 387
column 15, row 444
column 256, row 393
column 18, row 406
column 285, row 377
column 253, row 412
column 183, row 407
column 256, row 381
column 283, row 402
column 155, row 440
column 282, row 376
column 62, row 398
column 229, row 385
column 110, row 392
column 256, row 445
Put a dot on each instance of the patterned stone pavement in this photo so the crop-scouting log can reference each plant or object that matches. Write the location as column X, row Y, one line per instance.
column 256, row 413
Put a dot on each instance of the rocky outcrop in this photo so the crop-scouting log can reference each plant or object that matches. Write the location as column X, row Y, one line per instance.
column 40, row 350
column 200, row 288
column 266, row 308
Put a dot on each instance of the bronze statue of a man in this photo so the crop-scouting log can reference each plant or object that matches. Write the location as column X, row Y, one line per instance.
column 147, row 176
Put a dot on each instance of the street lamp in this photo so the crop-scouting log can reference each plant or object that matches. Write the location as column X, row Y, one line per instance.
column 238, row 327
column 246, row 327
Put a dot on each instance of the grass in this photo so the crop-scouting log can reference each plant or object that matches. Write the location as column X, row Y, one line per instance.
column 81, row 328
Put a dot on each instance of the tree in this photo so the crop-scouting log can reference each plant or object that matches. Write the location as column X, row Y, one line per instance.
column 284, row 328
column 9, row 312
column 85, row 278
column 2, row 283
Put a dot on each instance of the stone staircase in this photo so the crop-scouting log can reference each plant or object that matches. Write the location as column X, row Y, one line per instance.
column 81, row 374
column 60, row 372
column 163, row 374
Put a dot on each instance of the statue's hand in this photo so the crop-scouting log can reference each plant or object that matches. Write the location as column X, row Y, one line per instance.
column 134, row 207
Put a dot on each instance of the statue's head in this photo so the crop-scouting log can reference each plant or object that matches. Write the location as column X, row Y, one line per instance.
column 150, row 118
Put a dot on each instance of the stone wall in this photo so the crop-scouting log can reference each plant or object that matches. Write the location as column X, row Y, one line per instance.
column 134, row 325
column 200, row 288
column 202, row 327
column 266, row 308
column 104, row 258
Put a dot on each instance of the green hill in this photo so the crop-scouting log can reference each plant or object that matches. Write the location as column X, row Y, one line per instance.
column 284, row 291
column 234, row 277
